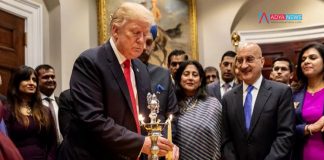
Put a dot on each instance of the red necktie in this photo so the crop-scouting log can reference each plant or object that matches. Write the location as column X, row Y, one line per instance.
column 127, row 74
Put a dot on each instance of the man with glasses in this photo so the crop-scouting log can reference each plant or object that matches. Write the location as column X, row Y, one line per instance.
column 282, row 70
column 226, row 82
column 258, row 115
column 175, row 58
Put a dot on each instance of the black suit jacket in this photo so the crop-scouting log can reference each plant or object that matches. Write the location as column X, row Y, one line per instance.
column 161, row 82
column 104, row 127
column 65, row 111
column 272, row 125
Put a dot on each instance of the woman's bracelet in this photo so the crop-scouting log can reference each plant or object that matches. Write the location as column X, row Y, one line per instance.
column 308, row 129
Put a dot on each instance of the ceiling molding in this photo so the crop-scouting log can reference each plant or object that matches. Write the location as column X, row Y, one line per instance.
column 283, row 34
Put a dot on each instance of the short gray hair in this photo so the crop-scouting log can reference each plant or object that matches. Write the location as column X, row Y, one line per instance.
column 131, row 11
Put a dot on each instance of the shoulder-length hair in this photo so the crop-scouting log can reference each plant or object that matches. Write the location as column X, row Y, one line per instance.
column 201, row 93
column 300, row 75
column 14, row 96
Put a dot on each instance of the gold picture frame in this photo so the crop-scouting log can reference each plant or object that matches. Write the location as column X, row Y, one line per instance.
column 191, row 46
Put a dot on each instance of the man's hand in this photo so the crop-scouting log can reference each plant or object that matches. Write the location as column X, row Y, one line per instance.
column 164, row 145
column 175, row 155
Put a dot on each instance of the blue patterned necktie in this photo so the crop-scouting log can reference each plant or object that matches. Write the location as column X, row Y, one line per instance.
column 248, row 107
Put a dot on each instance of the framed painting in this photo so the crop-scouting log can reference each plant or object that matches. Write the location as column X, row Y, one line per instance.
column 176, row 20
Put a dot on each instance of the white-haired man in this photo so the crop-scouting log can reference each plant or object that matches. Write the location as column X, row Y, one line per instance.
column 109, row 88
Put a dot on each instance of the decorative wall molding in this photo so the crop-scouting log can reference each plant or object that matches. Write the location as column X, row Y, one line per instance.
column 283, row 35
column 33, row 14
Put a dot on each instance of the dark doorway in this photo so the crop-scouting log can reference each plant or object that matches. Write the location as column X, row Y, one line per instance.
column 288, row 49
column 12, row 46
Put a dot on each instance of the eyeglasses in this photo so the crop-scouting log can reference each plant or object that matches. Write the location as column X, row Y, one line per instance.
column 211, row 76
column 284, row 69
column 248, row 59
column 174, row 64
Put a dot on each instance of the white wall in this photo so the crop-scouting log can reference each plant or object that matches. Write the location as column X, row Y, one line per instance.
column 69, row 28
column 214, row 22
column 78, row 22
column 312, row 13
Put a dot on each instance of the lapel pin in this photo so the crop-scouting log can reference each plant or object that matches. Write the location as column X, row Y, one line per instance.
column 296, row 104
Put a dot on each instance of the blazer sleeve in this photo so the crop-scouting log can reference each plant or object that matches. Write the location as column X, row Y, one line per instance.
column 298, row 97
column 227, row 148
column 87, row 92
column 281, row 146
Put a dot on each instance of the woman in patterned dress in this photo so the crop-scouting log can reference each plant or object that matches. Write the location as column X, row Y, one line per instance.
column 199, row 122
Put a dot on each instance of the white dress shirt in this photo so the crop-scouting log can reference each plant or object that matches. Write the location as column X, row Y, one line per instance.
column 121, row 58
column 256, row 87
column 221, row 86
column 46, row 103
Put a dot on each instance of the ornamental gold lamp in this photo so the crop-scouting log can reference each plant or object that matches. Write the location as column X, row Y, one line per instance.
column 235, row 39
column 155, row 126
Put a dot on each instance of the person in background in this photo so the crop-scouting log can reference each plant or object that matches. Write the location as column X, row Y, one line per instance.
column 212, row 74
column 47, row 86
column 30, row 125
column 258, row 115
column 309, row 104
column 226, row 82
column 237, row 73
column 282, row 70
column 175, row 58
column 199, row 121
column 109, row 87
column 8, row 150
column 161, row 83
column 3, row 101
column 65, row 112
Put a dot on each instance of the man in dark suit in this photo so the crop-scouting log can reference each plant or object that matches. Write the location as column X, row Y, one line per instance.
column 161, row 82
column 282, row 70
column 258, row 115
column 226, row 82
column 47, row 86
column 65, row 111
column 109, row 88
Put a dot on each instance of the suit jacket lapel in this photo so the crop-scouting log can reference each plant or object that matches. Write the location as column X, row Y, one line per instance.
column 118, row 73
column 140, row 89
column 238, row 96
column 262, row 97
column 218, row 92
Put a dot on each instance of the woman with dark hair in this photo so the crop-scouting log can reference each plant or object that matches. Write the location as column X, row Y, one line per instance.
column 199, row 122
column 309, row 103
column 30, row 124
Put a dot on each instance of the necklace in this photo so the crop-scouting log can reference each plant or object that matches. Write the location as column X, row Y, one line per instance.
column 27, row 110
column 313, row 91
